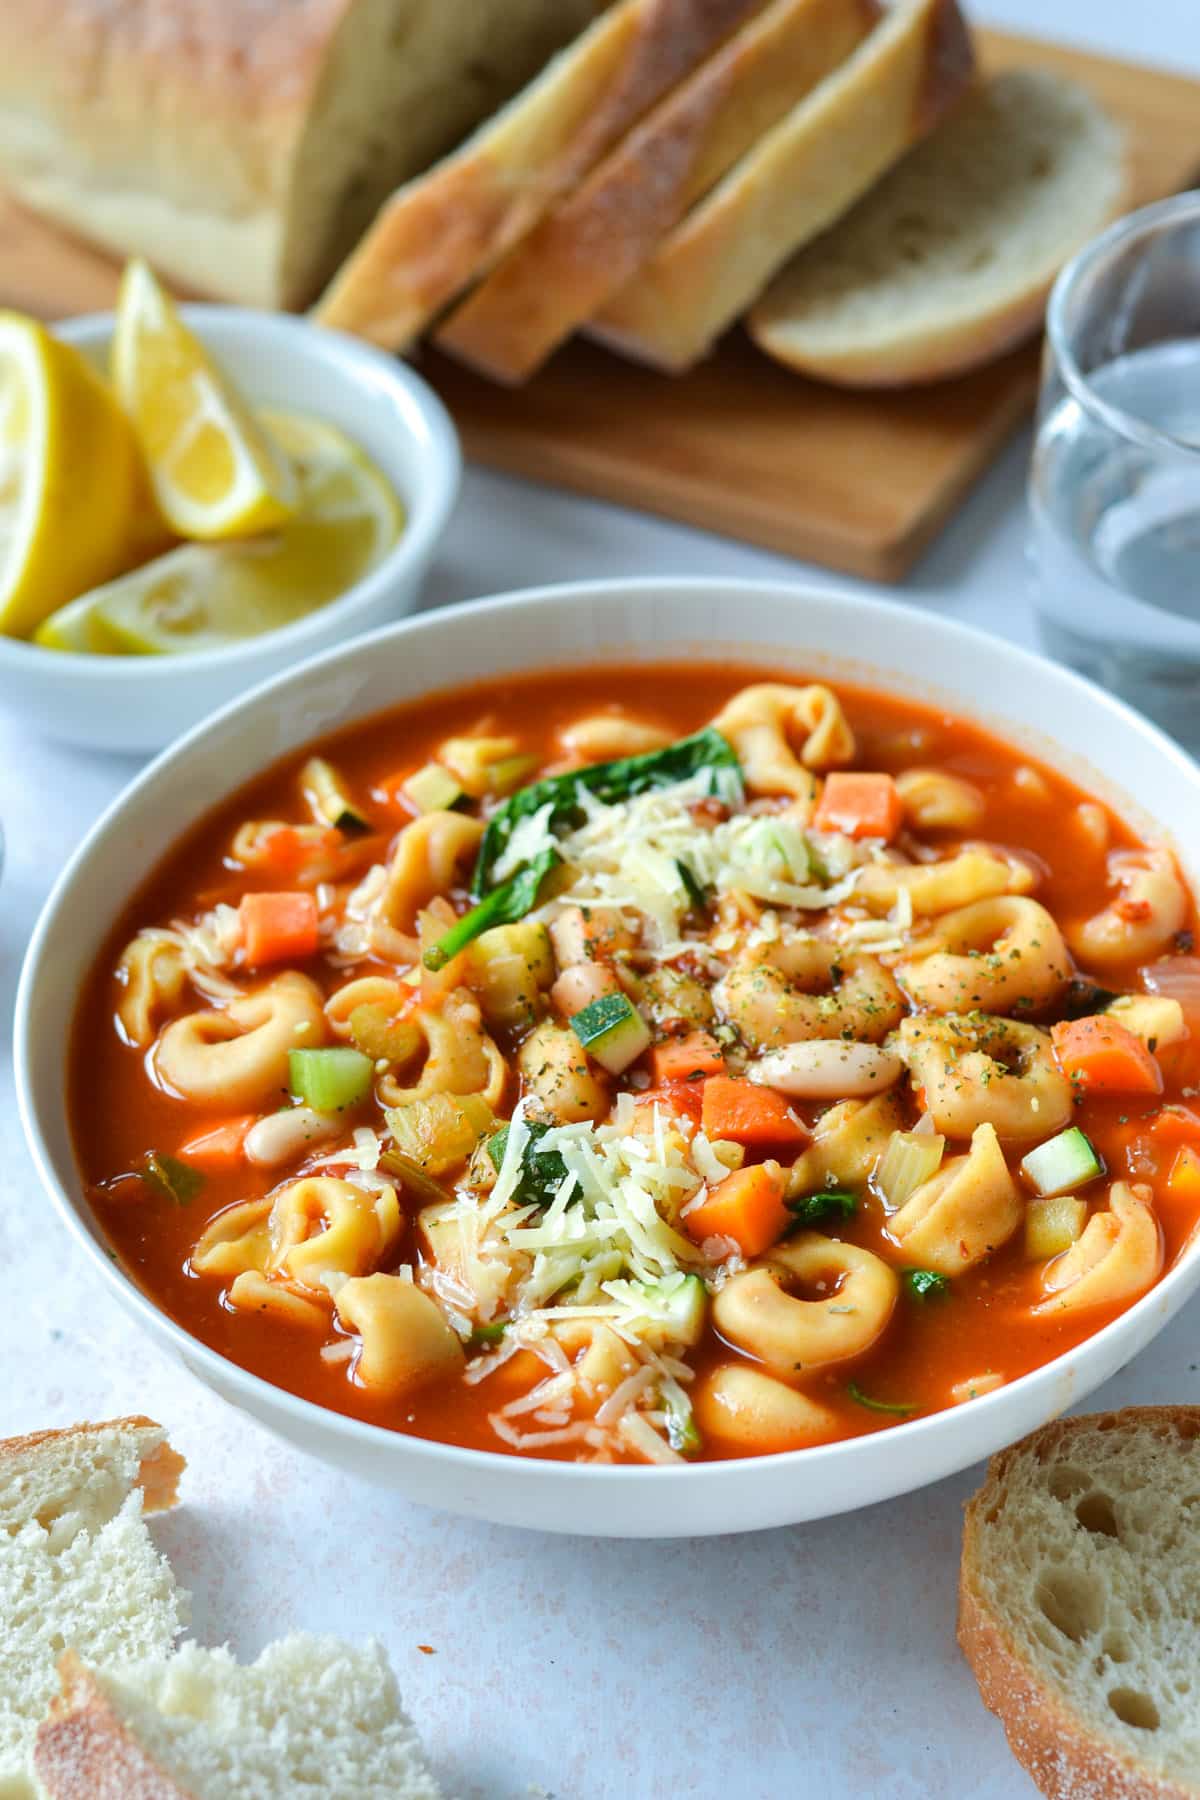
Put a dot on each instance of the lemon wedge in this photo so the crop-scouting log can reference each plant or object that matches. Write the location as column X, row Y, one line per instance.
column 208, row 596
column 68, row 476
column 215, row 472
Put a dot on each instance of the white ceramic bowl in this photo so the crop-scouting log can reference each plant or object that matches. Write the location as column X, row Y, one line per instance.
column 786, row 629
column 143, row 702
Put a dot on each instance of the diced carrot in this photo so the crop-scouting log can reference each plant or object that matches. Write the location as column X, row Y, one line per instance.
column 861, row 805
column 682, row 1097
column 1101, row 1056
column 290, row 848
column 687, row 1058
column 220, row 1147
column 1183, row 1181
column 278, row 927
column 1176, row 1125
column 748, row 1114
column 747, row 1206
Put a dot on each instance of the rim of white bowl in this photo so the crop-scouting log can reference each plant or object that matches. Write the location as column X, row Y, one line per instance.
column 427, row 508
column 230, row 1374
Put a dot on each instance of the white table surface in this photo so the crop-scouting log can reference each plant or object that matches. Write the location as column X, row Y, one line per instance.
column 814, row 1661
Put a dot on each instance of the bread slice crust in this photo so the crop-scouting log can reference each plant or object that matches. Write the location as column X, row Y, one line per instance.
column 446, row 229
column 599, row 236
column 799, row 178
column 158, row 1471
column 1065, row 1759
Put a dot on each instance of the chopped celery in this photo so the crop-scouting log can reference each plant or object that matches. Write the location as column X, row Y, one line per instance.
column 910, row 1160
column 422, row 1187
column 170, row 1179
column 441, row 1131
column 433, row 789
column 330, row 1080
column 1062, row 1163
column 1052, row 1224
column 612, row 1031
column 375, row 1032
column 326, row 793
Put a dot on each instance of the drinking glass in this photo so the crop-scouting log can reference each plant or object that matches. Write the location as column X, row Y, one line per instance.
column 1115, row 484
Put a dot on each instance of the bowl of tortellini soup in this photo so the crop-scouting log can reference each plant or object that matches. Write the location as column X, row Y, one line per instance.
column 615, row 1060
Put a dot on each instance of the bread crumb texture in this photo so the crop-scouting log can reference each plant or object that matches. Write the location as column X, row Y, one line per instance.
column 1081, row 1602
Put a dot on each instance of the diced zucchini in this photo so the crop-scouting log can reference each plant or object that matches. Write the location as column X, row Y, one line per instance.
column 683, row 1434
column 440, row 1132
column 327, row 794
column 1154, row 1018
column 511, row 966
column 1062, row 1163
column 510, row 773
column 676, row 1308
column 612, row 1031
column 383, row 1038
column 1052, row 1224
column 911, row 1159
column 330, row 1080
column 433, row 789
column 486, row 765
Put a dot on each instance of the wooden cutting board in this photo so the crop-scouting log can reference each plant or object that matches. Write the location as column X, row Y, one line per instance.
column 860, row 482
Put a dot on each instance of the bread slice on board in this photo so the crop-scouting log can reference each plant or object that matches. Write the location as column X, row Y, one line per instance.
column 1079, row 1603
column 598, row 237
column 949, row 261
column 311, row 1716
column 77, row 1566
column 442, row 232
column 800, row 177
column 243, row 146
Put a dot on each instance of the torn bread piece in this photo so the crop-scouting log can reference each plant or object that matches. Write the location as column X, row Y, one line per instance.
column 77, row 1565
column 312, row 1716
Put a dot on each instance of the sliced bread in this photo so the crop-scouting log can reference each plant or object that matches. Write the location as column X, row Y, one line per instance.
column 77, row 1567
column 805, row 173
column 948, row 262
column 311, row 1717
column 598, row 237
column 443, row 231
column 1079, row 1603
column 244, row 145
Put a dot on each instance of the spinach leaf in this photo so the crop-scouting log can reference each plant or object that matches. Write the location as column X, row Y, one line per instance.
column 696, row 892
column 170, row 1179
column 542, row 1171
column 810, row 1209
column 926, row 1284
column 881, row 1406
column 609, row 782
column 503, row 906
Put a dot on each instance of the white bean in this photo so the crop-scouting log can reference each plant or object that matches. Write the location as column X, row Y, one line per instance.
column 827, row 1069
column 284, row 1135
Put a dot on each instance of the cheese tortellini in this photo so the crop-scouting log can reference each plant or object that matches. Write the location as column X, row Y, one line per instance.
column 1000, row 955
column 757, row 1312
column 802, row 988
column 1150, row 907
column 237, row 1054
column 782, row 734
column 976, row 1069
column 1119, row 1256
column 964, row 1212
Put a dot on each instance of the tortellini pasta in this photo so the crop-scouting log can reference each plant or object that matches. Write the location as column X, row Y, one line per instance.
column 1150, row 907
column 782, row 734
column 801, row 988
column 935, row 800
column 964, row 1212
column 322, row 1226
column 153, row 975
column 237, row 1055
column 431, row 857
column 747, row 1407
column 236, row 1242
column 1119, row 1256
column 458, row 1057
column 975, row 873
column 405, row 1341
column 1000, row 955
column 979, row 1070
column 847, row 1142
column 756, row 1311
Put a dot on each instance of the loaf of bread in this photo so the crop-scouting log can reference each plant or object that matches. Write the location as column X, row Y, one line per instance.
column 244, row 145
column 1079, row 1603
column 445, row 230
column 77, row 1566
column 801, row 176
column 598, row 236
column 311, row 1716
column 948, row 262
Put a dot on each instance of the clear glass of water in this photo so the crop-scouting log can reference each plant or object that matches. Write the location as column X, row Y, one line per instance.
column 1115, row 484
